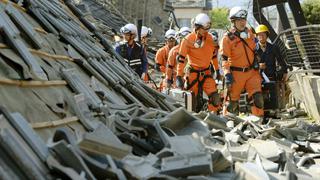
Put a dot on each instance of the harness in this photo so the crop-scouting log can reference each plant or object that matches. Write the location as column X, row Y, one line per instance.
column 204, row 73
column 232, row 36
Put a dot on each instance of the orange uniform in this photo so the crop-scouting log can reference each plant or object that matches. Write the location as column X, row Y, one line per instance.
column 172, row 64
column 162, row 57
column 235, row 59
column 198, row 74
column 214, row 60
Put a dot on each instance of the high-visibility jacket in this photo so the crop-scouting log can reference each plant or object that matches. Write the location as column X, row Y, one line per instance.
column 214, row 60
column 233, row 49
column 162, row 57
column 198, row 58
column 172, row 62
column 135, row 56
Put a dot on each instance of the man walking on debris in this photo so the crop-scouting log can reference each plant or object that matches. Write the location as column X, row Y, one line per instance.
column 171, row 71
column 273, row 66
column 145, row 35
column 133, row 53
column 162, row 53
column 240, row 65
column 196, row 51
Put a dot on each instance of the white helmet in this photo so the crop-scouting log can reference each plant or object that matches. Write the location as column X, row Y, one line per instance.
column 170, row 34
column 129, row 28
column 202, row 20
column 238, row 13
column 145, row 31
column 184, row 31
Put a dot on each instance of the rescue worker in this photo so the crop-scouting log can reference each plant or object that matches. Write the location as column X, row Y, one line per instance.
column 163, row 53
column 240, row 65
column 131, row 51
column 197, row 51
column 145, row 35
column 171, row 71
column 270, row 55
column 215, row 64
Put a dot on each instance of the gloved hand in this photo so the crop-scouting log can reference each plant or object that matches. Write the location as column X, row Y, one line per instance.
column 218, row 75
column 157, row 67
column 229, row 79
column 179, row 82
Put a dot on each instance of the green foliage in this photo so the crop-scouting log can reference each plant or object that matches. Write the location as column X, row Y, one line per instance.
column 219, row 17
column 311, row 10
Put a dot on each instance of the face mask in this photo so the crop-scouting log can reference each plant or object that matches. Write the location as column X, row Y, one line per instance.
column 199, row 43
column 244, row 35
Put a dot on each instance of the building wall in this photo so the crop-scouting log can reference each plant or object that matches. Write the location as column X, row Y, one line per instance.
column 148, row 11
column 184, row 15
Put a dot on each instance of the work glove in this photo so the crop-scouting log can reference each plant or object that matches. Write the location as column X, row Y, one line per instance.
column 229, row 79
column 179, row 82
column 218, row 75
column 157, row 67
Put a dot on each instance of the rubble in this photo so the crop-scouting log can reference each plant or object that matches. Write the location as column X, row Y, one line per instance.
column 72, row 109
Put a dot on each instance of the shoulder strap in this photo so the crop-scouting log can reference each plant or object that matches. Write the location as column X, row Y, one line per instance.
column 245, row 44
column 245, row 50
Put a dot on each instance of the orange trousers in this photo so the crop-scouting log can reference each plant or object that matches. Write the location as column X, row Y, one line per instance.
column 209, row 86
column 251, row 82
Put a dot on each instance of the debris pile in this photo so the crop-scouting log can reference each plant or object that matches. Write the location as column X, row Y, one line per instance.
column 71, row 108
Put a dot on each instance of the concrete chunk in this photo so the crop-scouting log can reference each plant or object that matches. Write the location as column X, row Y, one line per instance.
column 190, row 164
column 140, row 167
column 250, row 171
column 103, row 141
column 267, row 149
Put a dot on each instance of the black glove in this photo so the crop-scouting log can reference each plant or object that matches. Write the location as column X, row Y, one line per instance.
column 169, row 82
column 229, row 79
column 218, row 75
column 179, row 82
column 157, row 67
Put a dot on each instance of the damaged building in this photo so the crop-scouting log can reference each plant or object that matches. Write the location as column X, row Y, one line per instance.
column 71, row 108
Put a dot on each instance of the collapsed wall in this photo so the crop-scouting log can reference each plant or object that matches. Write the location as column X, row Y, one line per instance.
column 71, row 108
